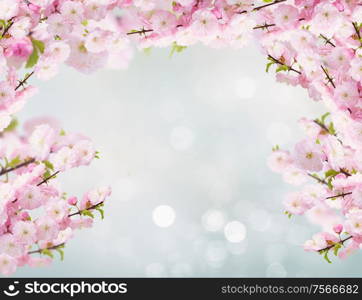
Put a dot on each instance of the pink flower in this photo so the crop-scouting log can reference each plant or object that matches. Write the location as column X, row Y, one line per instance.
column 25, row 232
column 346, row 95
column 338, row 228
column 279, row 161
column 41, row 140
column 30, row 197
column 7, row 264
column 7, row 93
column 308, row 156
column 320, row 241
column 354, row 221
column 286, row 16
column 47, row 228
column 296, row 203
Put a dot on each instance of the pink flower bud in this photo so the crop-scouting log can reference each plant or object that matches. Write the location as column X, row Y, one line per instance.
column 72, row 201
column 338, row 228
column 25, row 216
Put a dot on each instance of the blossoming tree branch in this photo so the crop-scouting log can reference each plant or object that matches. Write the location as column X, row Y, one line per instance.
column 315, row 44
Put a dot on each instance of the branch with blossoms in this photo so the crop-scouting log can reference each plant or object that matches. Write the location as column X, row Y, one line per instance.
column 336, row 170
column 34, row 210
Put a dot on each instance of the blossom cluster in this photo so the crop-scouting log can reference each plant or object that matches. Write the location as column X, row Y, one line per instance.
column 315, row 44
column 36, row 215
column 330, row 156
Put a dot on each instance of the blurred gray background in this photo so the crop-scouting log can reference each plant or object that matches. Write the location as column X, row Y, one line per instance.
column 183, row 142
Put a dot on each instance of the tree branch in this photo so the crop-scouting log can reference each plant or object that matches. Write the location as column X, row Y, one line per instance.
column 331, row 246
column 327, row 40
column 340, row 195
column 322, row 181
column 329, row 78
column 22, row 82
column 24, row 164
column 79, row 212
column 50, row 248
column 48, row 178
column 283, row 64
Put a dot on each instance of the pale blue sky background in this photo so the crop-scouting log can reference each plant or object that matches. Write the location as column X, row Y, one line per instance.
column 191, row 132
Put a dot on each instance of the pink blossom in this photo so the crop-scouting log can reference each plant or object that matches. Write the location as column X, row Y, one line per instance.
column 279, row 161
column 308, row 156
column 7, row 264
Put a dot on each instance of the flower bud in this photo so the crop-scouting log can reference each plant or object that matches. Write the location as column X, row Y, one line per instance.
column 72, row 201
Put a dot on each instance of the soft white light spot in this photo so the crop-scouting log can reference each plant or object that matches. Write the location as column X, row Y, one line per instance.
column 163, row 216
column 245, row 87
column 276, row 270
column 235, row 232
column 213, row 220
column 181, row 138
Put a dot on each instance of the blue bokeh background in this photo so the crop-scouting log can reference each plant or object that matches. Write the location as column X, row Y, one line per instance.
column 191, row 132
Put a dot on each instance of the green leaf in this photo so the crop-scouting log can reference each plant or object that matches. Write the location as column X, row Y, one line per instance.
column 47, row 252
column 323, row 117
column 47, row 174
column 176, row 48
column 87, row 213
column 33, row 59
column 288, row 214
column 14, row 162
column 331, row 173
column 326, row 257
column 48, row 164
column 268, row 65
column 147, row 51
column 331, row 129
column 275, row 148
column 12, row 126
column 329, row 183
column 282, row 68
column 3, row 23
column 61, row 252
column 101, row 211
column 336, row 248
column 38, row 46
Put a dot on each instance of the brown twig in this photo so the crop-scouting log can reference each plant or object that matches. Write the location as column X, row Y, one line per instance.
column 355, row 26
column 142, row 31
column 327, row 40
column 283, row 64
column 48, row 178
column 331, row 246
column 340, row 195
column 329, row 78
column 50, row 248
column 24, row 164
column 22, row 82
column 79, row 212
column 322, row 181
